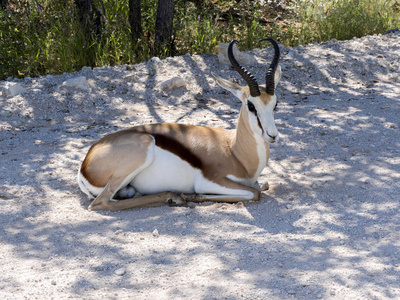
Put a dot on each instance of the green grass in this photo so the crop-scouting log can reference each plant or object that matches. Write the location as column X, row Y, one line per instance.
column 39, row 37
column 321, row 20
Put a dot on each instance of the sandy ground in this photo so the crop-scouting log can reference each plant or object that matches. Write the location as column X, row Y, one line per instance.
column 328, row 228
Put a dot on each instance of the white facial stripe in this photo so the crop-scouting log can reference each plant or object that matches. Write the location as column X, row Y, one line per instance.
column 270, row 128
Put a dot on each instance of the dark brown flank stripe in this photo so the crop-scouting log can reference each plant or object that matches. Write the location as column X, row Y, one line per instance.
column 162, row 141
column 169, row 144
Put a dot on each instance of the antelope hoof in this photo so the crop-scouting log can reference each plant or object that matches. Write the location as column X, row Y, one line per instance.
column 98, row 206
column 175, row 200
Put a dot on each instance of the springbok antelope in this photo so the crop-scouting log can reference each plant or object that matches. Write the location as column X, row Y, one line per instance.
column 165, row 162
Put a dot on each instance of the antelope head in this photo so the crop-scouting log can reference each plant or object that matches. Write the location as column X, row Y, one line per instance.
column 258, row 101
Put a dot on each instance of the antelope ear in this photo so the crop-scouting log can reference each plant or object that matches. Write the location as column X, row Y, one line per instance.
column 234, row 88
column 278, row 74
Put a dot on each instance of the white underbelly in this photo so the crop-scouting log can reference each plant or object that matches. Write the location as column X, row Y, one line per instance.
column 167, row 172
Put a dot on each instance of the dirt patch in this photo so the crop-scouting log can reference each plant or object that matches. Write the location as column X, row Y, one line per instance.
column 327, row 228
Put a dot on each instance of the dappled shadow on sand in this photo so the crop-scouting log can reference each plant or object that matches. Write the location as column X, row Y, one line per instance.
column 327, row 228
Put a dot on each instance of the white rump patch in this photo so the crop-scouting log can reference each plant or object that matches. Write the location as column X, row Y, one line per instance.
column 90, row 190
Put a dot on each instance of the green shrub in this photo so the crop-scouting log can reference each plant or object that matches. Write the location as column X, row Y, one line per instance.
column 39, row 37
column 321, row 20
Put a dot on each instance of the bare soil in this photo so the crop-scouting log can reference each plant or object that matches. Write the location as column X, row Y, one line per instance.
column 328, row 227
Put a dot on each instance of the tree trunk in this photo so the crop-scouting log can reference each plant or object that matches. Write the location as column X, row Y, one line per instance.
column 89, row 17
column 135, row 19
column 165, row 16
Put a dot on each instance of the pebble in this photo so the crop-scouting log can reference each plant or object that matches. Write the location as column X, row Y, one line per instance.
column 120, row 272
column 191, row 205
column 391, row 125
column 79, row 82
column 298, row 64
column 155, row 232
column 173, row 84
column 12, row 89
column 5, row 113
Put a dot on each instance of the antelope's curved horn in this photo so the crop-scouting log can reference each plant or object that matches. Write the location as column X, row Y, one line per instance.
column 250, row 79
column 270, row 76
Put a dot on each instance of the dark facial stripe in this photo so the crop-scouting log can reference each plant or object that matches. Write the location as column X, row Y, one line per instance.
column 170, row 144
column 251, row 107
column 259, row 124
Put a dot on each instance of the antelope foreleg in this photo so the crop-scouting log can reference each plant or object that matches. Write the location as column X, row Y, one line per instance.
column 219, row 198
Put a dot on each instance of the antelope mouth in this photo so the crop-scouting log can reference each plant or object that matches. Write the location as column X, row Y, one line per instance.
column 270, row 138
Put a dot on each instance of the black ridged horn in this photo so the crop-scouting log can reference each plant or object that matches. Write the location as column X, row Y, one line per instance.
column 250, row 79
column 270, row 76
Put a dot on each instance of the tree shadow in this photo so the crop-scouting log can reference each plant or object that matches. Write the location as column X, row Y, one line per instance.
column 326, row 228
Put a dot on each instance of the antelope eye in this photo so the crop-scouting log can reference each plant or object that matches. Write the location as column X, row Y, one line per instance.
column 251, row 107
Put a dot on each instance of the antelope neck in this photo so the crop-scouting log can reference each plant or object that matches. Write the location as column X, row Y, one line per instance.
column 245, row 145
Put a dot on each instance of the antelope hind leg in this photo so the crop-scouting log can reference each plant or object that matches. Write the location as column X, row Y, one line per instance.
column 104, row 203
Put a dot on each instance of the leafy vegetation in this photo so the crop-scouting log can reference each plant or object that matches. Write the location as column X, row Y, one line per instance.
column 40, row 37
column 321, row 20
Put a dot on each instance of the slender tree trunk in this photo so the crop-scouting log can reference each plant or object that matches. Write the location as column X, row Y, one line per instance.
column 135, row 19
column 165, row 16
